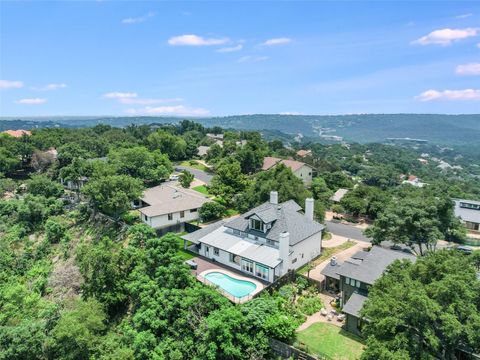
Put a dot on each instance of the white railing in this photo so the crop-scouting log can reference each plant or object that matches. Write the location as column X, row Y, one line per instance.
column 234, row 299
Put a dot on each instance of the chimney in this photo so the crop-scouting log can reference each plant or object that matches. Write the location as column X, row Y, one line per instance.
column 274, row 197
column 333, row 261
column 284, row 247
column 309, row 208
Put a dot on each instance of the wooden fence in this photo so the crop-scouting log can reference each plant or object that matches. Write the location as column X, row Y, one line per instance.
column 286, row 351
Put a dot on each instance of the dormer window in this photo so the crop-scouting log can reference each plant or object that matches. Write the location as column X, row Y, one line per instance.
column 256, row 225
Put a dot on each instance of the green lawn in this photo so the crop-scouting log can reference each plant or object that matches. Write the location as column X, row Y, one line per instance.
column 326, row 254
column 184, row 254
column 202, row 189
column 195, row 165
column 329, row 340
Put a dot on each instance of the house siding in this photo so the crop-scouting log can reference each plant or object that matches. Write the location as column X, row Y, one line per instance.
column 305, row 251
column 305, row 174
column 162, row 221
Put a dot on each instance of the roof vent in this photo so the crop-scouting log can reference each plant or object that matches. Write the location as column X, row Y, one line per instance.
column 333, row 261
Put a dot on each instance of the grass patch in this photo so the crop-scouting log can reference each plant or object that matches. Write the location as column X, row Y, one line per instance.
column 195, row 165
column 326, row 236
column 326, row 254
column 231, row 212
column 184, row 254
column 202, row 189
column 330, row 340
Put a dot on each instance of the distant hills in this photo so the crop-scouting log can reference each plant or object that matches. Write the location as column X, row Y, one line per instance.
column 362, row 128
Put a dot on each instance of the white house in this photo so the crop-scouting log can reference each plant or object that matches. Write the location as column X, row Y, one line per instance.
column 469, row 213
column 169, row 205
column 265, row 242
column 301, row 170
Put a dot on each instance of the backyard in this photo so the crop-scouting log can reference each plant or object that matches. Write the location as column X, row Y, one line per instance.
column 330, row 341
column 326, row 254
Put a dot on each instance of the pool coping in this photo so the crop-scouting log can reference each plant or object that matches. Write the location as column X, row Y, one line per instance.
column 258, row 284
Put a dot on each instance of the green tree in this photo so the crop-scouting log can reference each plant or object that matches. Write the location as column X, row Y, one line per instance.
column 211, row 211
column 55, row 229
column 172, row 145
column 186, row 178
column 113, row 194
column 423, row 310
column 228, row 181
column 320, row 190
column 42, row 185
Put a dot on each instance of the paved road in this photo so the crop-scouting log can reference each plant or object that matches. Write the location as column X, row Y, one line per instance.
column 347, row 231
column 199, row 174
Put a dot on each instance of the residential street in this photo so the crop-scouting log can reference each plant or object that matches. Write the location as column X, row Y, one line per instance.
column 347, row 231
column 199, row 174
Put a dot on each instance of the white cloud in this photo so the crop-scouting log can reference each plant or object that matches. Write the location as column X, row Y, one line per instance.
column 277, row 41
column 252, row 59
column 138, row 101
column 195, row 40
column 230, row 49
column 139, row 19
column 290, row 113
column 50, row 87
column 176, row 110
column 463, row 16
column 120, row 95
column 468, row 69
column 33, row 101
column 446, row 36
column 467, row 94
column 9, row 84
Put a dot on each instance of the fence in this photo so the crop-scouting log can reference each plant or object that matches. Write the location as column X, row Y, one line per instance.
column 286, row 351
column 234, row 299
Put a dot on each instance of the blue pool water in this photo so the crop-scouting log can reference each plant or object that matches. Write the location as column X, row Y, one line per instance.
column 235, row 287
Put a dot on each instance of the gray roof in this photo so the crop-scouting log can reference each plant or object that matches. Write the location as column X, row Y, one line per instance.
column 285, row 217
column 354, row 304
column 197, row 235
column 331, row 271
column 470, row 215
column 373, row 264
column 167, row 199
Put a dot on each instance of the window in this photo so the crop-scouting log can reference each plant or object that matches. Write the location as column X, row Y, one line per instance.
column 247, row 266
column 256, row 224
column 216, row 251
column 170, row 217
column 294, row 261
column 347, row 280
column 193, row 210
column 357, row 284
column 236, row 232
column 182, row 214
column 472, row 226
column 261, row 271
column 145, row 217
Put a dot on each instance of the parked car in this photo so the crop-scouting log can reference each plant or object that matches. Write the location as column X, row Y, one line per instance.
column 174, row 177
column 464, row 249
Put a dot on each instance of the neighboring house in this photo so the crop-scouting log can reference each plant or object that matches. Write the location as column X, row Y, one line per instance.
column 304, row 153
column 414, row 181
column 301, row 170
column 168, row 205
column 217, row 137
column 202, row 150
column 469, row 212
column 265, row 242
column 17, row 133
column 74, row 185
column 339, row 194
column 354, row 277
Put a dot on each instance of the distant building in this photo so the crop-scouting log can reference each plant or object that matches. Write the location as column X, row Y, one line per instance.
column 339, row 194
column 468, row 211
column 423, row 161
column 171, row 206
column 215, row 136
column 300, row 169
column 304, row 153
column 354, row 277
column 18, row 133
column 202, row 150
column 414, row 181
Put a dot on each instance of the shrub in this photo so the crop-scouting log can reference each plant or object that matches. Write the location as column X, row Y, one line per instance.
column 211, row 211
column 309, row 305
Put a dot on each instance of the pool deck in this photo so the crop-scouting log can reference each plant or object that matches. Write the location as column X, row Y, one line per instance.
column 204, row 267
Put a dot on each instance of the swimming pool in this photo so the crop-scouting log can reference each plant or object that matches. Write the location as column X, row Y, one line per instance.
column 236, row 287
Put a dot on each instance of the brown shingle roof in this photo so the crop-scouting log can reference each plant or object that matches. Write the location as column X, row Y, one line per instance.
column 18, row 133
column 269, row 162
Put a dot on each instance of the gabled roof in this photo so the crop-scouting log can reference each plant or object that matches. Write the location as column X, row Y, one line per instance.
column 369, row 266
column 18, row 133
column 286, row 218
column 269, row 162
column 354, row 304
column 466, row 214
column 166, row 199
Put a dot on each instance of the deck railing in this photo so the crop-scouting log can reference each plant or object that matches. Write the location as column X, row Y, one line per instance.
column 234, row 299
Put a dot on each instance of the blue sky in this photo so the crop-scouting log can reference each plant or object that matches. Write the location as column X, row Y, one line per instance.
column 223, row 58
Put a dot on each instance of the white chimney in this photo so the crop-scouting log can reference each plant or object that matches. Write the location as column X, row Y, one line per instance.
column 333, row 261
column 274, row 197
column 284, row 247
column 309, row 208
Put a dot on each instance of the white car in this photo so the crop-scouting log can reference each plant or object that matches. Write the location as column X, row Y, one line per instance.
column 174, row 177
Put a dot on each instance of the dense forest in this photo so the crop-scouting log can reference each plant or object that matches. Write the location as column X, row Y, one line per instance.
column 82, row 278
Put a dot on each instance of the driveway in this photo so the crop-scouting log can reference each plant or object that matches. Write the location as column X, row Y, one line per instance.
column 346, row 231
column 199, row 174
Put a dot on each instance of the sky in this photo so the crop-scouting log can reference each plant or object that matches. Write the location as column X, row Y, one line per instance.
column 231, row 58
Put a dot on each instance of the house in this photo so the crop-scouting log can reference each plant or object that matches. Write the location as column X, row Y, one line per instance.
column 169, row 206
column 300, row 169
column 414, row 181
column 339, row 194
column 469, row 213
column 216, row 137
column 17, row 133
column 265, row 242
column 202, row 150
column 354, row 277
column 304, row 153
column 74, row 185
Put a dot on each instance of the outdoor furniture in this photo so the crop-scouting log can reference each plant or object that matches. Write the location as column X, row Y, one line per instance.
column 329, row 317
column 323, row 312
column 334, row 312
column 341, row 317
column 192, row 264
